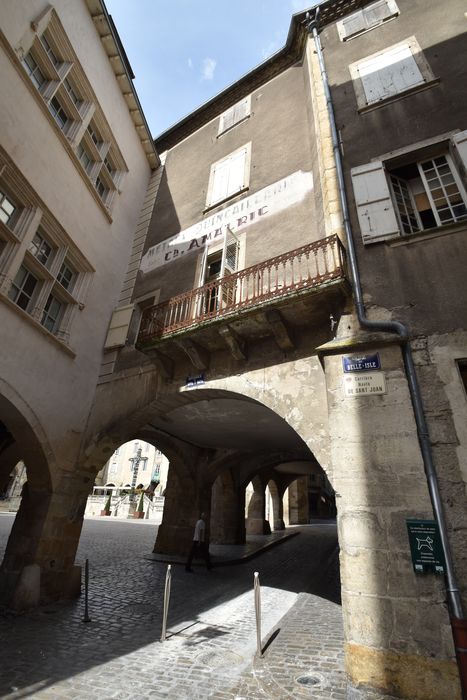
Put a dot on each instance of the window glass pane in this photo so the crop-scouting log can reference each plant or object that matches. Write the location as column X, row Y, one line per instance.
column 444, row 191
column 33, row 71
column 40, row 248
column 7, row 208
column 23, row 288
column 50, row 52
column 66, row 276
column 58, row 112
column 72, row 92
column 51, row 313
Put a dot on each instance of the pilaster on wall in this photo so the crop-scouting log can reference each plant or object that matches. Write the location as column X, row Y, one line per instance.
column 333, row 219
column 126, row 294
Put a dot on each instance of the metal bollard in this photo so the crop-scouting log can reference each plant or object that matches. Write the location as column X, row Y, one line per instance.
column 168, row 581
column 257, row 589
column 86, row 617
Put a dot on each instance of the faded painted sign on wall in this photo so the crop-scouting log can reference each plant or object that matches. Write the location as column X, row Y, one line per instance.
column 267, row 202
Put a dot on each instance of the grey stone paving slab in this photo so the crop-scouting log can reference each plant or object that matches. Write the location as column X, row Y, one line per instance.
column 51, row 654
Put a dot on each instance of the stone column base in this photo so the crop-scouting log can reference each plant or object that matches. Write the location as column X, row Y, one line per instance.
column 385, row 675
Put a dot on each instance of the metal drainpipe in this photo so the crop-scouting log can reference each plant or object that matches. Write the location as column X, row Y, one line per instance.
column 454, row 598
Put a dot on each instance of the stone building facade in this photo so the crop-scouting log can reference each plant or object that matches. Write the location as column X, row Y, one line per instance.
column 76, row 158
column 295, row 305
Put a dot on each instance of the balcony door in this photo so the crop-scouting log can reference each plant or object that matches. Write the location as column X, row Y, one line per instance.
column 216, row 269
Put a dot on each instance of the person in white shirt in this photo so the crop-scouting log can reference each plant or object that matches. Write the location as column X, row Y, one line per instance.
column 199, row 546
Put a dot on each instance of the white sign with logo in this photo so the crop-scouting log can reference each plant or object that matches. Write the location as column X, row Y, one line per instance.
column 364, row 384
column 268, row 201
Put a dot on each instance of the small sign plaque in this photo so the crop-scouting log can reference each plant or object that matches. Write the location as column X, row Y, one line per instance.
column 364, row 384
column 192, row 382
column 425, row 546
column 361, row 363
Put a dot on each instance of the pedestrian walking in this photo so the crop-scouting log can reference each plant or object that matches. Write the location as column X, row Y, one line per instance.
column 199, row 546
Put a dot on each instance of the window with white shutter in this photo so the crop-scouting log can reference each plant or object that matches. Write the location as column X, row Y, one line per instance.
column 418, row 191
column 229, row 176
column 367, row 18
column 234, row 115
column 386, row 74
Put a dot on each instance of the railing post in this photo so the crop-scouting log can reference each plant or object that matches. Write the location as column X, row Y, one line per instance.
column 165, row 612
column 257, row 590
column 86, row 617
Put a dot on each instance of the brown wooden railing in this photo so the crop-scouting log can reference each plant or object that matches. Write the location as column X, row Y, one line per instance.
column 306, row 267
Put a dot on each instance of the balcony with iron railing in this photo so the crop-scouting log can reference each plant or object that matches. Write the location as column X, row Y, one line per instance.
column 246, row 297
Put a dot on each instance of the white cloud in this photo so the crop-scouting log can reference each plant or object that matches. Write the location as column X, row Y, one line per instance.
column 190, row 64
column 209, row 66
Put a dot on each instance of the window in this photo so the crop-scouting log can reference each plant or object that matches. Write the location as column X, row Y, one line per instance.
column 391, row 72
column 72, row 92
column 23, row 288
column 40, row 248
column 58, row 113
column 7, row 209
column 49, row 51
column 413, row 191
column 34, row 71
column 428, row 194
column 462, row 365
column 235, row 114
column 229, row 176
column 66, row 277
column 84, row 157
column 94, row 135
column 51, row 313
column 101, row 189
column 367, row 18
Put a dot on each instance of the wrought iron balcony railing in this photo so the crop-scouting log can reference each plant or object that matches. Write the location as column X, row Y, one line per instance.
column 307, row 267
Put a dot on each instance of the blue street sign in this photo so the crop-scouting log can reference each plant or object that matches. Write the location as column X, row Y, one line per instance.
column 361, row 363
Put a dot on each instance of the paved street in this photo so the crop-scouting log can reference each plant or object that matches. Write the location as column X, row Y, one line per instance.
column 212, row 640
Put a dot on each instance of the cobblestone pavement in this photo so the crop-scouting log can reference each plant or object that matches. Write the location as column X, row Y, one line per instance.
column 51, row 654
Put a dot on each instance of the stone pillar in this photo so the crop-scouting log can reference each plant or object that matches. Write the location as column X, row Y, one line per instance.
column 227, row 511
column 298, row 501
column 398, row 640
column 38, row 565
column 181, row 511
column 277, row 507
column 256, row 523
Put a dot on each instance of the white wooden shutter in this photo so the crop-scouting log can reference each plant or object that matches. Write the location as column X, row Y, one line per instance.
column 242, row 109
column 220, row 181
column 367, row 18
column 353, row 24
column 230, row 253
column 229, row 265
column 460, row 143
column 389, row 73
column 375, row 210
column 119, row 325
column 236, row 177
column 379, row 11
column 227, row 120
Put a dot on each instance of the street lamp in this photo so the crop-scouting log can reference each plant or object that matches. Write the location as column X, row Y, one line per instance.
column 135, row 466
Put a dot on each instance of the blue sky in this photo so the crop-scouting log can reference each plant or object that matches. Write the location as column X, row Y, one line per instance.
column 185, row 51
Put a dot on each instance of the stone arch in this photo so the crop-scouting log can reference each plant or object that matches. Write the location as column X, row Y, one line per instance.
column 24, row 438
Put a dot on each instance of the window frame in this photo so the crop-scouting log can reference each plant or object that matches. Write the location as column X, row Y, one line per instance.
column 376, row 201
column 223, row 128
column 428, row 77
column 393, row 13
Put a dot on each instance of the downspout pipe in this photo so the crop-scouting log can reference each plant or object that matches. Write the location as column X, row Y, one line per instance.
column 453, row 593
